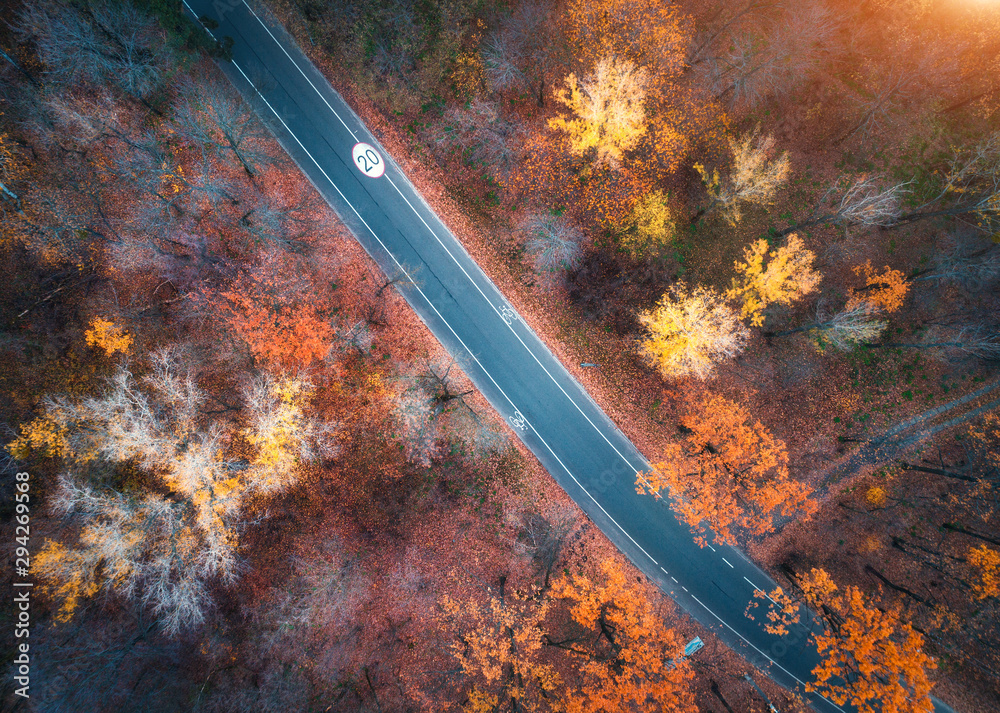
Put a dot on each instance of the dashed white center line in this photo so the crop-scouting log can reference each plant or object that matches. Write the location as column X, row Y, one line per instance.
column 257, row 91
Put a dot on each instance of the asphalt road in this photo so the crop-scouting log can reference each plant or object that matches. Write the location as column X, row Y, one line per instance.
column 551, row 413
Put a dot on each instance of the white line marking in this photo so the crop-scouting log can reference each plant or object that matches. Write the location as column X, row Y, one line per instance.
column 476, row 284
column 431, row 304
column 800, row 681
column 665, row 571
column 709, row 547
column 758, row 589
column 684, row 588
column 728, row 562
column 268, row 30
column 443, row 320
column 675, row 581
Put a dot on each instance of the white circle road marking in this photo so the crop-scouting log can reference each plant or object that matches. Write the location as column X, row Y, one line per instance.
column 431, row 305
column 368, row 160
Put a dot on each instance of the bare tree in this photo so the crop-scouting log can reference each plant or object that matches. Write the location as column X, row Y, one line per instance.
column 724, row 20
column 897, row 85
column 980, row 341
column 113, row 44
column 285, row 226
column 844, row 330
column 357, row 336
column 970, row 265
column 418, row 428
column 482, row 132
column 545, row 537
column 553, row 243
column 877, row 106
column 869, row 201
column 521, row 53
column 433, row 407
column 761, row 63
column 213, row 116
column 754, row 177
column 971, row 184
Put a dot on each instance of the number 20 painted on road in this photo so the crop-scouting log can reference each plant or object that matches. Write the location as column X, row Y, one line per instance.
column 368, row 160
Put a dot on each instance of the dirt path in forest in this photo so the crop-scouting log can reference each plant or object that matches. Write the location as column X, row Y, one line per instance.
column 892, row 443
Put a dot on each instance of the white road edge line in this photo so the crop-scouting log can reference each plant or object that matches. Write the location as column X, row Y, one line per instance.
column 290, row 59
column 445, row 322
column 413, row 282
column 796, row 678
column 440, row 242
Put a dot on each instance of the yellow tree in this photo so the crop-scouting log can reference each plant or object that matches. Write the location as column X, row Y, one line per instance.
column 787, row 276
column 630, row 660
column 651, row 226
column 108, row 336
column 728, row 472
column 609, row 114
column 872, row 659
column 754, row 177
column 499, row 645
column 283, row 434
column 689, row 331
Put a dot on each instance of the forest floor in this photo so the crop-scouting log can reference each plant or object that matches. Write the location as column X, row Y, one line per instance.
column 843, row 417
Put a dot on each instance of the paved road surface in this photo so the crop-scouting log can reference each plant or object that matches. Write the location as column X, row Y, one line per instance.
column 547, row 408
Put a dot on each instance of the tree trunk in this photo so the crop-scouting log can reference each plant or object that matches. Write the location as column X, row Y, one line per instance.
column 953, row 527
column 938, row 471
column 19, row 68
column 718, row 694
column 899, row 588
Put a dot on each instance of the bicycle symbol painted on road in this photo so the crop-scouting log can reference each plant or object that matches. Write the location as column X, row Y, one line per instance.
column 368, row 160
column 508, row 315
column 517, row 421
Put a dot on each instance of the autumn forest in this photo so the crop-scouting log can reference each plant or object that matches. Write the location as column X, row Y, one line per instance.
column 763, row 235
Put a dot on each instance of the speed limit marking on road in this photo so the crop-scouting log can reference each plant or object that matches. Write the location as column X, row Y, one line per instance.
column 368, row 160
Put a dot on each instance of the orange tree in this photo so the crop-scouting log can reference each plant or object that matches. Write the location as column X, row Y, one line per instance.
column 498, row 644
column 729, row 471
column 872, row 659
column 628, row 659
column 279, row 313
